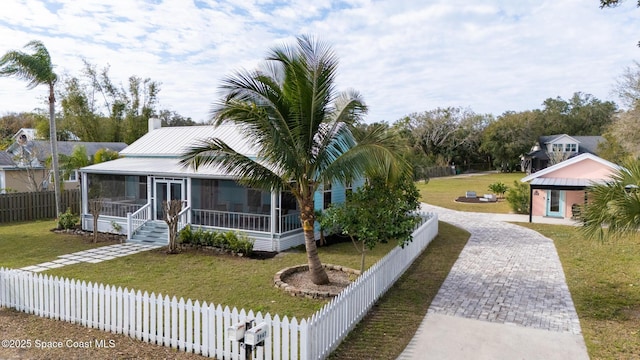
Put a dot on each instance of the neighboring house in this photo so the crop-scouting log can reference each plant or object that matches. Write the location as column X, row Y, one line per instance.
column 560, row 190
column 13, row 177
column 26, row 163
column 25, row 133
column 133, row 187
column 31, row 134
column 552, row 149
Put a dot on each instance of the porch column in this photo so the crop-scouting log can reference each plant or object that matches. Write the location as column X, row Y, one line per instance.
column 84, row 208
column 530, row 203
column 274, row 212
column 150, row 197
column 188, row 196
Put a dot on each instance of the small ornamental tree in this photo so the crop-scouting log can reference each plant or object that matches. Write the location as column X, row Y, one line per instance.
column 376, row 212
column 171, row 209
column 498, row 188
column 95, row 208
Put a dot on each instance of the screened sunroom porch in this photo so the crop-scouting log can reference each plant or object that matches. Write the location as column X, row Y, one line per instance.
column 222, row 204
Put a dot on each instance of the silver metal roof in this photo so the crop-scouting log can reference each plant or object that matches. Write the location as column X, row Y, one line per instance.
column 565, row 182
column 153, row 166
column 174, row 141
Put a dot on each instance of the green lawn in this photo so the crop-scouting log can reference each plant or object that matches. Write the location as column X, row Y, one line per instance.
column 604, row 280
column 443, row 191
column 391, row 324
column 221, row 279
column 30, row 243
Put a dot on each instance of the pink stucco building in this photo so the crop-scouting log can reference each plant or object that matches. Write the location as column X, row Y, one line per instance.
column 555, row 190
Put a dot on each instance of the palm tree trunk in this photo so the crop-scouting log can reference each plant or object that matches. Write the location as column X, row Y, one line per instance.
column 316, row 270
column 54, row 151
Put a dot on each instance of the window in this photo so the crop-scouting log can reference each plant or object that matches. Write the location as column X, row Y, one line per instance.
column 326, row 198
column 557, row 147
column 571, row 148
column 73, row 176
column 348, row 188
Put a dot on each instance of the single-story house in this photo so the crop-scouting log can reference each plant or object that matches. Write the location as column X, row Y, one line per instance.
column 133, row 187
column 559, row 190
column 552, row 149
column 23, row 166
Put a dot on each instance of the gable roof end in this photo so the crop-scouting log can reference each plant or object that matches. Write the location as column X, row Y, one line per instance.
column 570, row 162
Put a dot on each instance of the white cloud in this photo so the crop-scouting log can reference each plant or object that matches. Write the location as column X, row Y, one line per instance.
column 403, row 56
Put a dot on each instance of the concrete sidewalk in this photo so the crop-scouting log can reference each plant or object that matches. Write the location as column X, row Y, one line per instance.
column 506, row 297
column 93, row 256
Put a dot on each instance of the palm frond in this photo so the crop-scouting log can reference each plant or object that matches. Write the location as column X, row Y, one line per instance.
column 215, row 152
column 613, row 209
column 35, row 68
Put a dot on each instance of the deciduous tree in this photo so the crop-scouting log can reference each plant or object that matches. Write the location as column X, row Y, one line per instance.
column 582, row 114
column 444, row 134
column 510, row 136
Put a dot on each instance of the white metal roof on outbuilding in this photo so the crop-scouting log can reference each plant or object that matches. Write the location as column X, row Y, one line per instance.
column 174, row 141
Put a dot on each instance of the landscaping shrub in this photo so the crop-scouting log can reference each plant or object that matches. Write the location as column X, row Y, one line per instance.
column 230, row 240
column 68, row 220
column 186, row 235
column 198, row 237
column 498, row 188
column 518, row 197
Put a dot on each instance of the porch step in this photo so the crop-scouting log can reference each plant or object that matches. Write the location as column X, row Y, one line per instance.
column 153, row 232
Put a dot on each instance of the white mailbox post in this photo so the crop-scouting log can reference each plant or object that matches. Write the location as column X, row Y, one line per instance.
column 248, row 335
column 236, row 331
column 256, row 335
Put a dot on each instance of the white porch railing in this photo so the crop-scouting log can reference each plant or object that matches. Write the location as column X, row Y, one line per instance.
column 232, row 220
column 119, row 208
column 183, row 218
column 289, row 222
column 137, row 219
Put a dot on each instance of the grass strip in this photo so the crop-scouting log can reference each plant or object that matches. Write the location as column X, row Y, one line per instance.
column 443, row 191
column 30, row 243
column 604, row 280
column 389, row 326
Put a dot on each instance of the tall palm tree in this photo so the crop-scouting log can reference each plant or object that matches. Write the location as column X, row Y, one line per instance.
column 301, row 125
column 613, row 208
column 37, row 69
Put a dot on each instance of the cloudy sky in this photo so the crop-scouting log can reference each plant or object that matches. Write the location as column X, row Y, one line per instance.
column 404, row 56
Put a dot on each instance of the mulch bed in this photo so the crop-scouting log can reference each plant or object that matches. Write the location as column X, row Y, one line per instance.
column 473, row 200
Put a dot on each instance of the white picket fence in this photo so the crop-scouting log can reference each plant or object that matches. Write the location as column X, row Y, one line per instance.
column 331, row 324
column 200, row 327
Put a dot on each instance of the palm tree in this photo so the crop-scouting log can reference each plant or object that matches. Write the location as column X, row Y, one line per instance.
column 37, row 69
column 302, row 127
column 613, row 208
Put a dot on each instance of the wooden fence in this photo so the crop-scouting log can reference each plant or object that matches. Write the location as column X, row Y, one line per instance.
column 202, row 328
column 29, row 206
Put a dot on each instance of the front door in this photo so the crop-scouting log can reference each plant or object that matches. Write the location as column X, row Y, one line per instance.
column 555, row 203
column 166, row 189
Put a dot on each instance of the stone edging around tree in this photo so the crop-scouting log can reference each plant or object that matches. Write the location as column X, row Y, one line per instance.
column 329, row 292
